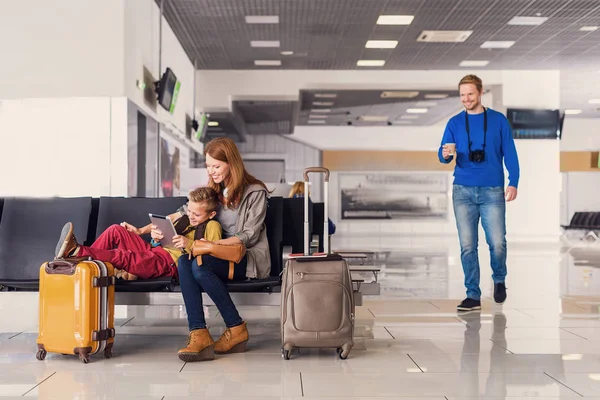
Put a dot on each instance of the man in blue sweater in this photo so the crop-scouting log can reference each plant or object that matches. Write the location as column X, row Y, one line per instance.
column 482, row 139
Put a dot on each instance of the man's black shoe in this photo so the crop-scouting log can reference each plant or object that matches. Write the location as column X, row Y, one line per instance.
column 469, row 305
column 499, row 292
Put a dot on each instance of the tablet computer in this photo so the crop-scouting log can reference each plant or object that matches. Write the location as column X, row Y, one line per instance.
column 165, row 225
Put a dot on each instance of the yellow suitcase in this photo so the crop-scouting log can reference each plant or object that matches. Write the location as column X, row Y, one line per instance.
column 76, row 308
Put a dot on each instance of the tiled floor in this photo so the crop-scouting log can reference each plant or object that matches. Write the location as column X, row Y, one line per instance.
column 544, row 342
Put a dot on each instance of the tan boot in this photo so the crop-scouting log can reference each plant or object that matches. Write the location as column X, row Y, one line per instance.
column 200, row 347
column 67, row 245
column 233, row 340
column 126, row 276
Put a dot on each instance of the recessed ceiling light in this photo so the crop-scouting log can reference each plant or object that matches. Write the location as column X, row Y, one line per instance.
column 402, row 94
column 444, row 36
column 317, row 116
column 572, row 357
column 588, row 28
column 436, row 96
column 267, row 63
column 395, row 19
column 426, row 104
column 594, row 377
column 474, row 63
column 374, row 118
column 417, row 110
column 409, row 117
column 326, row 95
column 370, row 63
column 572, row 112
column 492, row 44
column 320, row 110
column 594, row 101
column 287, row 53
column 213, row 123
column 527, row 20
column 264, row 43
column 316, row 121
column 322, row 103
column 262, row 19
column 381, row 44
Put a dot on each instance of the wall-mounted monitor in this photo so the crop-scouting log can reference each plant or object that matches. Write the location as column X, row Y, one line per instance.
column 535, row 124
column 201, row 126
column 168, row 90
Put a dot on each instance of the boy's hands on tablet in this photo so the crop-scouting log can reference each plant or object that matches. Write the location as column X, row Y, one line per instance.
column 181, row 242
column 156, row 234
column 130, row 228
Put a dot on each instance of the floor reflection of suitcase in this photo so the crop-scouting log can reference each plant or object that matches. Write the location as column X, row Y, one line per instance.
column 76, row 308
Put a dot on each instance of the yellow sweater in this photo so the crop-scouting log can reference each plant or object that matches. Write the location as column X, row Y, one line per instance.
column 212, row 233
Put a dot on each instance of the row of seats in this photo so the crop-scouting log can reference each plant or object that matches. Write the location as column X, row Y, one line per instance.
column 584, row 220
column 30, row 228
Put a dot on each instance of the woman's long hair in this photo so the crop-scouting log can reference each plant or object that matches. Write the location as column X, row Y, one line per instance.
column 225, row 150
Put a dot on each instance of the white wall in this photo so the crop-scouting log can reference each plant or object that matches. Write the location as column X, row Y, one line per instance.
column 63, row 147
column 142, row 50
column 580, row 134
column 65, row 48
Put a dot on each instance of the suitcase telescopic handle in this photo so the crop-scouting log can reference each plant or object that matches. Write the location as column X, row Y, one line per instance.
column 316, row 169
column 324, row 171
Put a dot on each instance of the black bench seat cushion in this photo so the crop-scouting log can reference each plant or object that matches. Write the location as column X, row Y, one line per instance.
column 29, row 231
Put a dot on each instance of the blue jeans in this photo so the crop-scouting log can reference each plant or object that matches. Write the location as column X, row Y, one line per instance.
column 470, row 203
column 209, row 277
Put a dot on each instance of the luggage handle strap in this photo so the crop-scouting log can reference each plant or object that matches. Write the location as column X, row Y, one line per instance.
column 99, row 336
column 104, row 281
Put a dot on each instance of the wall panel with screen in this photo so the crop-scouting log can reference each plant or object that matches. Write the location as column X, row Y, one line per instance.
column 535, row 124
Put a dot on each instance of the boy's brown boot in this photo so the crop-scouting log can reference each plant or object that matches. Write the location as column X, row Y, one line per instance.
column 233, row 340
column 67, row 244
column 200, row 347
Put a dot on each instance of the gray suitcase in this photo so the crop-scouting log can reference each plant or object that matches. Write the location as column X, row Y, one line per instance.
column 317, row 300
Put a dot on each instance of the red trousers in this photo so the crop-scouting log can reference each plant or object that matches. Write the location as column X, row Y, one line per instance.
column 128, row 251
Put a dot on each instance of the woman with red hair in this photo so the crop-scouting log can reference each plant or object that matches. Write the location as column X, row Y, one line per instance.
column 241, row 213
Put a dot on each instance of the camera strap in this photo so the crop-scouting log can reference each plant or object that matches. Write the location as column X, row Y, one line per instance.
column 484, row 127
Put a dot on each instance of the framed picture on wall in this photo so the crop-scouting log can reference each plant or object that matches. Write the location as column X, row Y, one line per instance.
column 393, row 195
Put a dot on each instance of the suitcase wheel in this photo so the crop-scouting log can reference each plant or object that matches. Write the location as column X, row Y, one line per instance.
column 108, row 353
column 84, row 358
column 41, row 354
column 286, row 354
column 342, row 354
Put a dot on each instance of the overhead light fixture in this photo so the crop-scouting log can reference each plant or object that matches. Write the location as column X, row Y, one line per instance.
column 374, row 118
column 572, row 357
column 395, row 19
column 370, row 63
column 264, row 43
column 572, row 112
column 317, row 116
column 262, row 19
column 267, row 63
column 444, row 36
column 400, row 94
column 287, row 53
column 594, row 377
column 381, row 44
column 588, row 28
column 436, row 96
column 213, row 123
column 474, row 63
column 594, row 101
column 417, row 110
column 493, row 44
column 322, row 103
column 320, row 110
column 426, row 104
column 316, row 121
column 326, row 95
column 527, row 20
